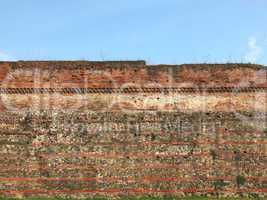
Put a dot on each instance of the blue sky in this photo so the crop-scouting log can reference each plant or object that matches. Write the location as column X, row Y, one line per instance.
column 158, row 31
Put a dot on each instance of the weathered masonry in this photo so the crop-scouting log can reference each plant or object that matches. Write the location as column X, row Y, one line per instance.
column 123, row 128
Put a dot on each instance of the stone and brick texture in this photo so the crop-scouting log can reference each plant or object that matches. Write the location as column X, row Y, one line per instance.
column 125, row 128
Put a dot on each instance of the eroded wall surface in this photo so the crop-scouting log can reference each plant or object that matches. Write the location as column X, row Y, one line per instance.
column 86, row 129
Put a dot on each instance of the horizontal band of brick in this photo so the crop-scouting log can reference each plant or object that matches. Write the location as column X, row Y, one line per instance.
column 132, row 90
column 128, row 179
column 140, row 144
column 138, row 191
column 30, row 168
column 42, row 144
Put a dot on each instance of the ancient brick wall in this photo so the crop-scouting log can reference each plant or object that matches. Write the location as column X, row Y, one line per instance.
column 125, row 128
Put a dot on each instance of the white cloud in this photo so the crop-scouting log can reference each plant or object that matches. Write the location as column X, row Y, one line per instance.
column 5, row 57
column 254, row 52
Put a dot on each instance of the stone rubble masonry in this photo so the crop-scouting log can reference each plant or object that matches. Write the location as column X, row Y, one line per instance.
column 125, row 128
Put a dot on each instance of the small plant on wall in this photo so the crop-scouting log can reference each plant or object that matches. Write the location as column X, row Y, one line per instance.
column 265, row 131
column 240, row 181
column 219, row 185
column 213, row 154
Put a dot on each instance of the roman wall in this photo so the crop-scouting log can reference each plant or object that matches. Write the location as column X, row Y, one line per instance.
column 85, row 129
